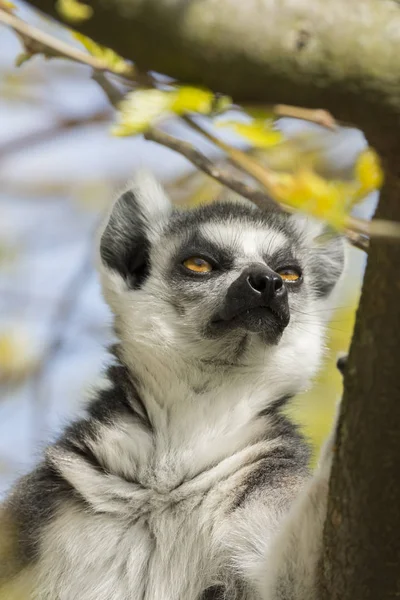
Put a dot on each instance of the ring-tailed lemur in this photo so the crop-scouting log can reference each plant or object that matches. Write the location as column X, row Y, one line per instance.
column 184, row 481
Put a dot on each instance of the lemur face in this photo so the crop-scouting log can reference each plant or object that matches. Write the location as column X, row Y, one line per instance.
column 212, row 278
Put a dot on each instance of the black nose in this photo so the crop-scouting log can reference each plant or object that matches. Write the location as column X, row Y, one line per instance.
column 256, row 300
column 264, row 281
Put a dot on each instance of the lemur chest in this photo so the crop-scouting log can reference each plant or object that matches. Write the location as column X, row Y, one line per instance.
column 168, row 552
column 156, row 534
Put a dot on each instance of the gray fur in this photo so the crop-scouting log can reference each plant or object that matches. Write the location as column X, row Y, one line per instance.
column 184, row 481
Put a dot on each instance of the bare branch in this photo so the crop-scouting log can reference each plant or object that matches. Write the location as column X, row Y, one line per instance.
column 208, row 167
column 317, row 115
column 239, row 158
column 112, row 93
column 39, row 137
column 377, row 228
column 358, row 240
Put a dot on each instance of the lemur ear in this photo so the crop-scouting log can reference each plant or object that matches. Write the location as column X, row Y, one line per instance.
column 326, row 253
column 132, row 224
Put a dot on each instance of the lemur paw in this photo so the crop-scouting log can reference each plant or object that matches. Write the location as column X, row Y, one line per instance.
column 342, row 363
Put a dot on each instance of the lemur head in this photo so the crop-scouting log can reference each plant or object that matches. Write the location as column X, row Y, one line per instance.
column 225, row 284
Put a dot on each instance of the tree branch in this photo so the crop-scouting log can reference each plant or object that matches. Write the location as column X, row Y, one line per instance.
column 259, row 51
column 38, row 41
column 209, row 167
column 53, row 130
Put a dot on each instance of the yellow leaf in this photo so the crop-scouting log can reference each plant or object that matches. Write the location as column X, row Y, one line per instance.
column 7, row 6
column 16, row 357
column 260, row 133
column 138, row 110
column 110, row 59
column 368, row 172
column 310, row 193
column 193, row 99
column 74, row 11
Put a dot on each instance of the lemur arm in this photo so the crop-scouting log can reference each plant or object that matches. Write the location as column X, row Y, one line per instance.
column 288, row 570
column 278, row 550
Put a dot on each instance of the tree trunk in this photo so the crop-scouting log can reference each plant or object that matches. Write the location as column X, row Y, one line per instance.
column 361, row 558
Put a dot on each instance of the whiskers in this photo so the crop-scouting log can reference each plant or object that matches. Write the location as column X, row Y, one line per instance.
column 307, row 320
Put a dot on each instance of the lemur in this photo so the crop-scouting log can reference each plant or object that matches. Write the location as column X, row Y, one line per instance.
column 184, row 480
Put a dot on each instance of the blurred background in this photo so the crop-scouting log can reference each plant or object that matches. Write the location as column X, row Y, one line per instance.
column 59, row 170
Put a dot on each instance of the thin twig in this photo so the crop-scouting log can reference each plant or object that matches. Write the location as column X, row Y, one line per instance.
column 203, row 163
column 49, row 133
column 377, row 228
column 239, row 158
column 113, row 93
column 358, row 240
column 318, row 116
column 56, row 47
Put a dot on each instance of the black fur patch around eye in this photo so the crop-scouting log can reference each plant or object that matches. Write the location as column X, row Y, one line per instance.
column 197, row 245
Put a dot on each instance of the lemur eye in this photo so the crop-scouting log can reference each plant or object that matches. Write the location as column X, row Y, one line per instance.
column 289, row 274
column 197, row 265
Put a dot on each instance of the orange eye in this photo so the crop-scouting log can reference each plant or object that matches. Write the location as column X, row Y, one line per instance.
column 289, row 275
column 197, row 265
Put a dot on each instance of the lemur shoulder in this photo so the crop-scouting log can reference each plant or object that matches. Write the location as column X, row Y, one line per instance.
column 184, row 481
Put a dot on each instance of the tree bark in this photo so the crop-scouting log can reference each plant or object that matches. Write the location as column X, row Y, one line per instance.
column 341, row 55
column 362, row 532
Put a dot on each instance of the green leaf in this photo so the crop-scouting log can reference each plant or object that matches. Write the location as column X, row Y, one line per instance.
column 22, row 58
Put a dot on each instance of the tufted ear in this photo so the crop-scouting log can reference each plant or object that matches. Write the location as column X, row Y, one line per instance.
column 130, row 228
column 326, row 252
